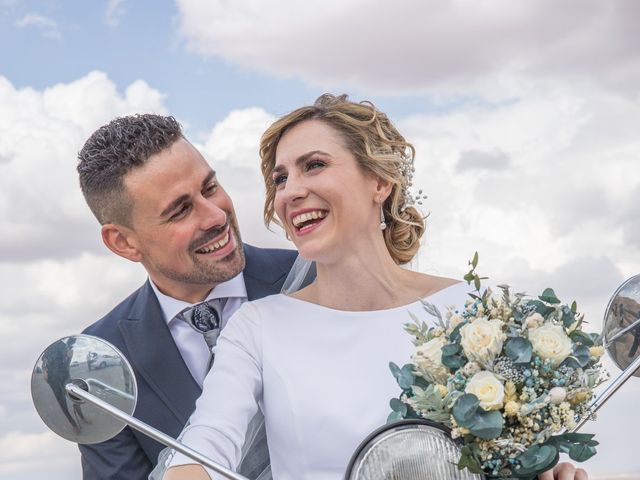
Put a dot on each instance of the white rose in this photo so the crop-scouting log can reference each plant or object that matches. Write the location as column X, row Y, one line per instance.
column 428, row 359
column 550, row 342
column 489, row 390
column 482, row 340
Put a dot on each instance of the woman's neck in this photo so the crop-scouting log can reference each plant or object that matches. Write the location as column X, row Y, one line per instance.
column 364, row 281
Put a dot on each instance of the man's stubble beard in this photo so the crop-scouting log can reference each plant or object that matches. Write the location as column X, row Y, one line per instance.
column 210, row 273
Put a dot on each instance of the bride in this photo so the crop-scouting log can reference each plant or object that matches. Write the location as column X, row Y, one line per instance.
column 337, row 176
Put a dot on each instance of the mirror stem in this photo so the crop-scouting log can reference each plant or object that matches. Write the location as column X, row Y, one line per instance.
column 610, row 390
column 157, row 435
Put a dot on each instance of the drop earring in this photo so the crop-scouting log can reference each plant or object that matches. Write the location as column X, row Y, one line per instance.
column 383, row 223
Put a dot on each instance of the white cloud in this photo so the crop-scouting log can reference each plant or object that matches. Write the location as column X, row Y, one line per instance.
column 47, row 26
column 42, row 131
column 463, row 47
column 54, row 456
column 114, row 12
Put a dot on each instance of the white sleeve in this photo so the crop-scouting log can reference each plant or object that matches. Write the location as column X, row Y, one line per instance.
column 231, row 393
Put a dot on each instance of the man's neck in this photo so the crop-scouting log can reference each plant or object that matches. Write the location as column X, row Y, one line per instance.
column 190, row 293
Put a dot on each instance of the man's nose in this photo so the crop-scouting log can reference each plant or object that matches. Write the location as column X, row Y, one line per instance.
column 211, row 214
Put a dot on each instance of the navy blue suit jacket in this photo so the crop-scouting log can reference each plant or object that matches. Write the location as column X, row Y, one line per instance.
column 166, row 390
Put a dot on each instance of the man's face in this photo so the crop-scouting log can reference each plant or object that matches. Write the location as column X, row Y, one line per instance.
column 183, row 223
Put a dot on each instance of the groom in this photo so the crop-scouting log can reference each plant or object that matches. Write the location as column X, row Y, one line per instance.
column 161, row 205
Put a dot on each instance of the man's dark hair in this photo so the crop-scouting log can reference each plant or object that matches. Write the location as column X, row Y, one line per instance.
column 113, row 151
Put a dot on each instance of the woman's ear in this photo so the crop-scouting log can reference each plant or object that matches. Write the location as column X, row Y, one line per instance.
column 383, row 189
column 122, row 241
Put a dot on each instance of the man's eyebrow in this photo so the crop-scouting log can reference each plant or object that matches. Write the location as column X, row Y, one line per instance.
column 301, row 159
column 183, row 198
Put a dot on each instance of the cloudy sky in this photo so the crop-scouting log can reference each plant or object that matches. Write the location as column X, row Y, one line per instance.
column 524, row 115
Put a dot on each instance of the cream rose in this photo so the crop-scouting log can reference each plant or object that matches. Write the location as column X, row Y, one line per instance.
column 482, row 340
column 550, row 342
column 489, row 390
column 428, row 359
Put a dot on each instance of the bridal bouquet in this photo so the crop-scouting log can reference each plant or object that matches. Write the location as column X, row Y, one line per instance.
column 508, row 374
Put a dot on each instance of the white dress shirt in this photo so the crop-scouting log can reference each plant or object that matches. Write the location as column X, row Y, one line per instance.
column 190, row 343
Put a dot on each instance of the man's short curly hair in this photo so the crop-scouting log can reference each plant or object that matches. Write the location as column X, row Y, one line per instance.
column 114, row 150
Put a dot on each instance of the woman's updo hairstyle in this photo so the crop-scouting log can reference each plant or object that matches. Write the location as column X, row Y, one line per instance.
column 378, row 148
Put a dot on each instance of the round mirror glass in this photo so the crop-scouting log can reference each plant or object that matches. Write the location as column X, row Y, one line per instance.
column 97, row 367
column 621, row 330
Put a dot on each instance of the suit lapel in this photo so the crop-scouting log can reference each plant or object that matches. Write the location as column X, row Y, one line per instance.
column 156, row 356
column 262, row 274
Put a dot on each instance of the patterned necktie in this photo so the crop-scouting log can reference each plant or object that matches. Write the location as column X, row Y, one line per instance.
column 205, row 318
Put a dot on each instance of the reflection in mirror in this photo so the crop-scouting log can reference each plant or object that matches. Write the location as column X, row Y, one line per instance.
column 95, row 366
column 621, row 331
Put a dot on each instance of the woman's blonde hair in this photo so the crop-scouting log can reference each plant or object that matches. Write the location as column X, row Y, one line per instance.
column 379, row 149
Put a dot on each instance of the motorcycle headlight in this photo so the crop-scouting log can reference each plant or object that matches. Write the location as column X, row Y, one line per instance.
column 408, row 450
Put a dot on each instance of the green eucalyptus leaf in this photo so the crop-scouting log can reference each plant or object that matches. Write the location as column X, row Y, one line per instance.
column 571, row 362
column 549, row 296
column 476, row 282
column 454, row 336
column 398, row 405
column 581, row 337
column 518, row 349
column 394, row 417
column 465, row 409
column 581, row 452
column 486, row 425
column 454, row 362
column 469, row 460
column 582, row 355
column 406, row 377
column 568, row 317
column 395, row 369
column 541, row 308
column 576, row 437
column 574, row 307
column 450, row 349
column 468, row 277
column 474, row 262
column 537, row 459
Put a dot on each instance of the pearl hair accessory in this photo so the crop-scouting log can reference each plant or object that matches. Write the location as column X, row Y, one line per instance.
column 407, row 170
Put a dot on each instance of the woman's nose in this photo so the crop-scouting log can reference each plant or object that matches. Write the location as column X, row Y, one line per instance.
column 294, row 189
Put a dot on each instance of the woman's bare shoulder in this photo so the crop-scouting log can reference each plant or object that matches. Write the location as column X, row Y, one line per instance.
column 431, row 284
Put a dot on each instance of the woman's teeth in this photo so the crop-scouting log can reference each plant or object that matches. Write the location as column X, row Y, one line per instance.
column 299, row 220
column 215, row 246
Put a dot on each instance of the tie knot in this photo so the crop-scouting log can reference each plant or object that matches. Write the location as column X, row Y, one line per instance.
column 204, row 316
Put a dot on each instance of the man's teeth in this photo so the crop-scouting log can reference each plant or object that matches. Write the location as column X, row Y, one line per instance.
column 305, row 217
column 216, row 246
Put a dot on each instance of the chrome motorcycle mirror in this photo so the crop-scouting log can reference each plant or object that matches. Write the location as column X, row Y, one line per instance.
column 85, row 391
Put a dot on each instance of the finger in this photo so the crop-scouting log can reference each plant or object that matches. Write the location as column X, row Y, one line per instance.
column 564, row 471
column 581, row 474
column 548, row 475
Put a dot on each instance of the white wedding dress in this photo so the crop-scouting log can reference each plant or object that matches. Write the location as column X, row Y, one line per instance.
column 321, row 377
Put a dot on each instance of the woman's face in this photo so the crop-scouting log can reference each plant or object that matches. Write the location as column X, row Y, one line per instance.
column 324, row 200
